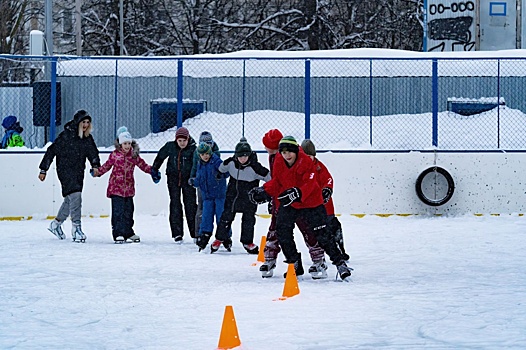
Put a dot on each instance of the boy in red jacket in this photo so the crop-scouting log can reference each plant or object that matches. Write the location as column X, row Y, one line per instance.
column 295, row 185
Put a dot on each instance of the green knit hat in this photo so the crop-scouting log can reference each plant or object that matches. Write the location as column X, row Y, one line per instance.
column 204, row 148
column 243, row 148
column 289, row 143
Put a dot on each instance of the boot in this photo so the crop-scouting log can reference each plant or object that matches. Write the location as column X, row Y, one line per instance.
column 344, row 271
column 215, row 246
column 267, row 269
column 298, row 267
column 134, row 239
column 251, row 248
column 227, row 243
column 55, row 229
column 77, row 234
column 318, row 270
column 202, row 240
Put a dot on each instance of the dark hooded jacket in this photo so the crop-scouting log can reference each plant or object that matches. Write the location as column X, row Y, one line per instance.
column 72, row 151
column 179, row 160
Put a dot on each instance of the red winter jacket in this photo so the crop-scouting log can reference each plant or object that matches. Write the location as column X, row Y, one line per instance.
column 324, row 180
column 122, row 182
column 302, row 174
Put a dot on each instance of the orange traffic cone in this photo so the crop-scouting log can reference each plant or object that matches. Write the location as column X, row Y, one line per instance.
column 291, row 287
column 229, row 337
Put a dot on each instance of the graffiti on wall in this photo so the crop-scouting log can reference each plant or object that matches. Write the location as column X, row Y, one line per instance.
column 450, row 25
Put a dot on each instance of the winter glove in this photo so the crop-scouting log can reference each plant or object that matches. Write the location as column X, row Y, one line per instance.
column 326, row 193
column 290, row 196
column 228, row 160
column 257, row 195
column 156, row 175
column 219, row 175
column 191, row 181
column 92, row 172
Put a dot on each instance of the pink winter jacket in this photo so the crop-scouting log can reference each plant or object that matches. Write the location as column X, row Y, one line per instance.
column 122, row 182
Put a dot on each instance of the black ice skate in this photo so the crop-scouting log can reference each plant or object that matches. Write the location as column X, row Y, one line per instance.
column 267, row 269
column 318, row 270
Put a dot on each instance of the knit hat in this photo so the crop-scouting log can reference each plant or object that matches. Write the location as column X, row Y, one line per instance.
column 9, row 122
column 182, row 133
column 124, row 135
column 288, row 143
column 308, row 147
column 204, row 148
column 206, row 136
column 272, row 138
column 243, row 148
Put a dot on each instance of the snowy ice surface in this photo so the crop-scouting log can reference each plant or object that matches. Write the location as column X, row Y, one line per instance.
column 419, row 283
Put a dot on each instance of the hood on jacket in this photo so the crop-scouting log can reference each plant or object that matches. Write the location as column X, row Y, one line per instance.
column 74, row 124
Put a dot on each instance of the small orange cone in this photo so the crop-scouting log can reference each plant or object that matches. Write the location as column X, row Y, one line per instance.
column 229, row 337
column 261, row 254
column 291, row 287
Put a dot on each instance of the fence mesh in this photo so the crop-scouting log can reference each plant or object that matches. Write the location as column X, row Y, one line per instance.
column 340, row 103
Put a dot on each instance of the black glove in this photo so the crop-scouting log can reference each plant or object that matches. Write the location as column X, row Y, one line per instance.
column 219, row 175
column 257, row 195
column 228, row 160
column 91, row 171
column 290, row 196
column 326, row 193
column 191, row 181
column 156, row 175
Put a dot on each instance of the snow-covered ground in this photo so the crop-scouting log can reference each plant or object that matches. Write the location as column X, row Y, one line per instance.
column 419, row 283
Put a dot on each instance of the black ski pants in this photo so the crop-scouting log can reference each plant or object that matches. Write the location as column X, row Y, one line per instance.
column 315, row 219
column 189, row 199
column 122, row 209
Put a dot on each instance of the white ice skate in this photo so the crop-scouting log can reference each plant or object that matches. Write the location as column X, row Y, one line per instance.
column 55, row 229
column 77, row 234
column 318, row 270
column 267, row 269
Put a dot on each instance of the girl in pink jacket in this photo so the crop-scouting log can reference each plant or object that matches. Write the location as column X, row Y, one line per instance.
column 121, row 185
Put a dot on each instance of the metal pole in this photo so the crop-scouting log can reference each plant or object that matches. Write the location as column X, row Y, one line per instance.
column 121, row 28
column 48, row 12
column 78, row 27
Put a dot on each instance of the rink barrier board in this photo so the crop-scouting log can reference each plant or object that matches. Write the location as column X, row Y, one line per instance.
column 267, row 216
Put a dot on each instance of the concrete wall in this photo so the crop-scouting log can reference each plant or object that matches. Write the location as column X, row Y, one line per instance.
column 365, row 183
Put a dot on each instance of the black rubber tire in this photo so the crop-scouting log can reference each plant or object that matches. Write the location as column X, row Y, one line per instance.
column 450, row 186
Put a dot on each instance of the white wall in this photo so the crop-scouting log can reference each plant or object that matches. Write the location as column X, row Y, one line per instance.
column 365, row 183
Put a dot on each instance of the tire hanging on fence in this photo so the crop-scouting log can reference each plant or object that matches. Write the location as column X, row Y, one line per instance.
column 435, row 186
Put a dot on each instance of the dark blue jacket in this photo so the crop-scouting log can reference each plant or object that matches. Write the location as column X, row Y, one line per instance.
column 206, row 180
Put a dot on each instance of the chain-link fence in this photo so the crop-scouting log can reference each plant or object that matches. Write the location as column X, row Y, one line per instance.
column 396, row 104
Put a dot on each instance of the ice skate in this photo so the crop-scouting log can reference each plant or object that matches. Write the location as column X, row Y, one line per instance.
column 134, row 239
column 251, row 248
column 227, row 243
column 77, row 234
column 215, row 246
column 267, row 269
column 203, row 239
column 178, row 239
column 298, row 267
column 344, row 271
column 55, row 229
column 318, row 270
column 119, row 240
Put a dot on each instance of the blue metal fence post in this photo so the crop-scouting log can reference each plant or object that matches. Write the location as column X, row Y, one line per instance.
column 179, row 93
column 498, row 103
column 370, row 102
column 307, row 99
column 115, row 97
column 243, row 96
column 53, row 109
column 424, row 46
column 434, row 94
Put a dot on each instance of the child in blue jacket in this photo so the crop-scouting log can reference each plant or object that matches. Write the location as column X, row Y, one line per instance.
column 213, row 188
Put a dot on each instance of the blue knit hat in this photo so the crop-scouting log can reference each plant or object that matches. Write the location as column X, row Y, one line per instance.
column 9, row 122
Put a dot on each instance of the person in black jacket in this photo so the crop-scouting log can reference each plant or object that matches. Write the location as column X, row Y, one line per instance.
column 180, row 154
column 72, row 147
column 245, row 173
